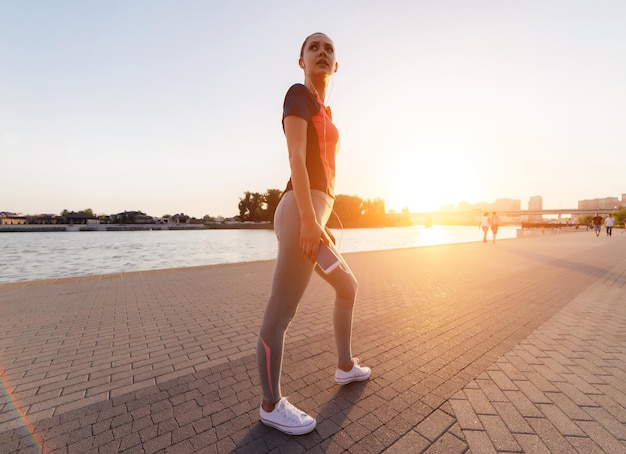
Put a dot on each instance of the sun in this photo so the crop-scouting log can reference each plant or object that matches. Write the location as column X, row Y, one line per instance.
column 426, row 179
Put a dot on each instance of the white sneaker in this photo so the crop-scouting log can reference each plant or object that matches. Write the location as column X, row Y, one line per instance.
column 357, row 373
column 287, row 418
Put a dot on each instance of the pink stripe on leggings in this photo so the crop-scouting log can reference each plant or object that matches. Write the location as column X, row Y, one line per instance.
column 267, row 365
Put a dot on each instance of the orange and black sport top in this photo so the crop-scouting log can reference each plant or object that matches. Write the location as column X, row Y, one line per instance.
column 322, row 143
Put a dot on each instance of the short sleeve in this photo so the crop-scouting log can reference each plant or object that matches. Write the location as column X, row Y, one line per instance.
column 299, row 102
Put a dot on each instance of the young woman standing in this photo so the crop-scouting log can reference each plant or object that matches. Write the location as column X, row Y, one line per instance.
column 300, row 225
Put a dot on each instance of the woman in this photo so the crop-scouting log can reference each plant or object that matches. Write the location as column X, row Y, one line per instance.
column 300, row 225
column 484, row 225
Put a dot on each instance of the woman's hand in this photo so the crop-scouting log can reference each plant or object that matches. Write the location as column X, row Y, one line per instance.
column 310, row 234
column 330, row 236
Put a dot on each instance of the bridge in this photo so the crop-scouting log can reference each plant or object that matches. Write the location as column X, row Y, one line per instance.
column 527, row 218
column 520, row 213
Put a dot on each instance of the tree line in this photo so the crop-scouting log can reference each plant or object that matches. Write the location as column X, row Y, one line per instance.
column 349, row 211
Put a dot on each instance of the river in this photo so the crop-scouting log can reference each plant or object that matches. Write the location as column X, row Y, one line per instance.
column 46, row 255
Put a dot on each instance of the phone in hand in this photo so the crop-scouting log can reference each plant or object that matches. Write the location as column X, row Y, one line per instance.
column 326, row 259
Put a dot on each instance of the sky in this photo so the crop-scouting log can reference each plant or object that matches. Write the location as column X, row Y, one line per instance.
column 174, row 106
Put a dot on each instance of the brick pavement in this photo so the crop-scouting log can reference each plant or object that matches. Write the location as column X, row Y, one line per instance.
column 512, row 347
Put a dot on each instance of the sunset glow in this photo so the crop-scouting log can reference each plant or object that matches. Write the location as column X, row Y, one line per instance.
column 429, row 176
column 436, row 102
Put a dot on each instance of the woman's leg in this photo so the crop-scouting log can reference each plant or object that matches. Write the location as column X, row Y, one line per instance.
column 292, row 273
column 345, row 285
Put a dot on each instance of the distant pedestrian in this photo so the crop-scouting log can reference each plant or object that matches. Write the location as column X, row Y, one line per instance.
column 484, row 224
column 609, row 222
column 596, row 221
column 494, row 222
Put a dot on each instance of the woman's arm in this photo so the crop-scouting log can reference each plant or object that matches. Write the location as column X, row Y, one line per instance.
column 310, row 230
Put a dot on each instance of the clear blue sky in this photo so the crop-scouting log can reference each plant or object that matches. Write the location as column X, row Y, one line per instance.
column 175, row 106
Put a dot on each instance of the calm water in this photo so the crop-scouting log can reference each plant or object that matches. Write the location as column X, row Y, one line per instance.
column 33, row 256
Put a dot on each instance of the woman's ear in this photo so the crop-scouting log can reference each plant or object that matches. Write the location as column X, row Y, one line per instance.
column 301, row 63
column 336, row 67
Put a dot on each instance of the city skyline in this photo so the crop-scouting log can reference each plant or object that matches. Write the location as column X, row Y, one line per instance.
column 500, row 204
column 170, row 107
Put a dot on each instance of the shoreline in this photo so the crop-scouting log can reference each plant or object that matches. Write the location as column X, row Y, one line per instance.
column 130, row 273
column 526, row 234
column 38, row 228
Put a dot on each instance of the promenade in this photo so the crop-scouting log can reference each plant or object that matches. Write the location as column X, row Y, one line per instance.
column 518, row 346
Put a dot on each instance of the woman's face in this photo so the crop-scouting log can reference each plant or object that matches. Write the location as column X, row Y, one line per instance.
column 318, row 55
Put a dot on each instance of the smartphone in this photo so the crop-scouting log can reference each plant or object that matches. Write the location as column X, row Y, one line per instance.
column 326, row 259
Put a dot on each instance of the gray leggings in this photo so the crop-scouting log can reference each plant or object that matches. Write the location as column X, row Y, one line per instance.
column 292, row 273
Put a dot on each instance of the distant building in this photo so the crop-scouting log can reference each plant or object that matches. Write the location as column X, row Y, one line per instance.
column 7, row 218
column 46, row 219
column 507, row 205
column 535, row 204
column 81, row 218
column 180, row 218
column 132, row 217
column 606, row 203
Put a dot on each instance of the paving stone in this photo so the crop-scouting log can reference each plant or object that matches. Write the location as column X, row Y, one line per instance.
column 532, row 443
column 550, row 436
column 512, row 418
column 585, row 445
column 578, row 397
column 499, row 433
column 569, row 407
column 600, row 415
column 411, row 442
column 465, row 414
column 602, row 437
column 612, row 407
column 503, row 382
column 447, row 444
column 532, row 392
column 522, row 351
column 479, row 401
column 560, row 420
column 435, row 425
column 479, row 442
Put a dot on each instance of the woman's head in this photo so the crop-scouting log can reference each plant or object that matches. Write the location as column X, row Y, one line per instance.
column 317, row 54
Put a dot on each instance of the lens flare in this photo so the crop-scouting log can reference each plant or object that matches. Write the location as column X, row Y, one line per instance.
column 15, row 418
